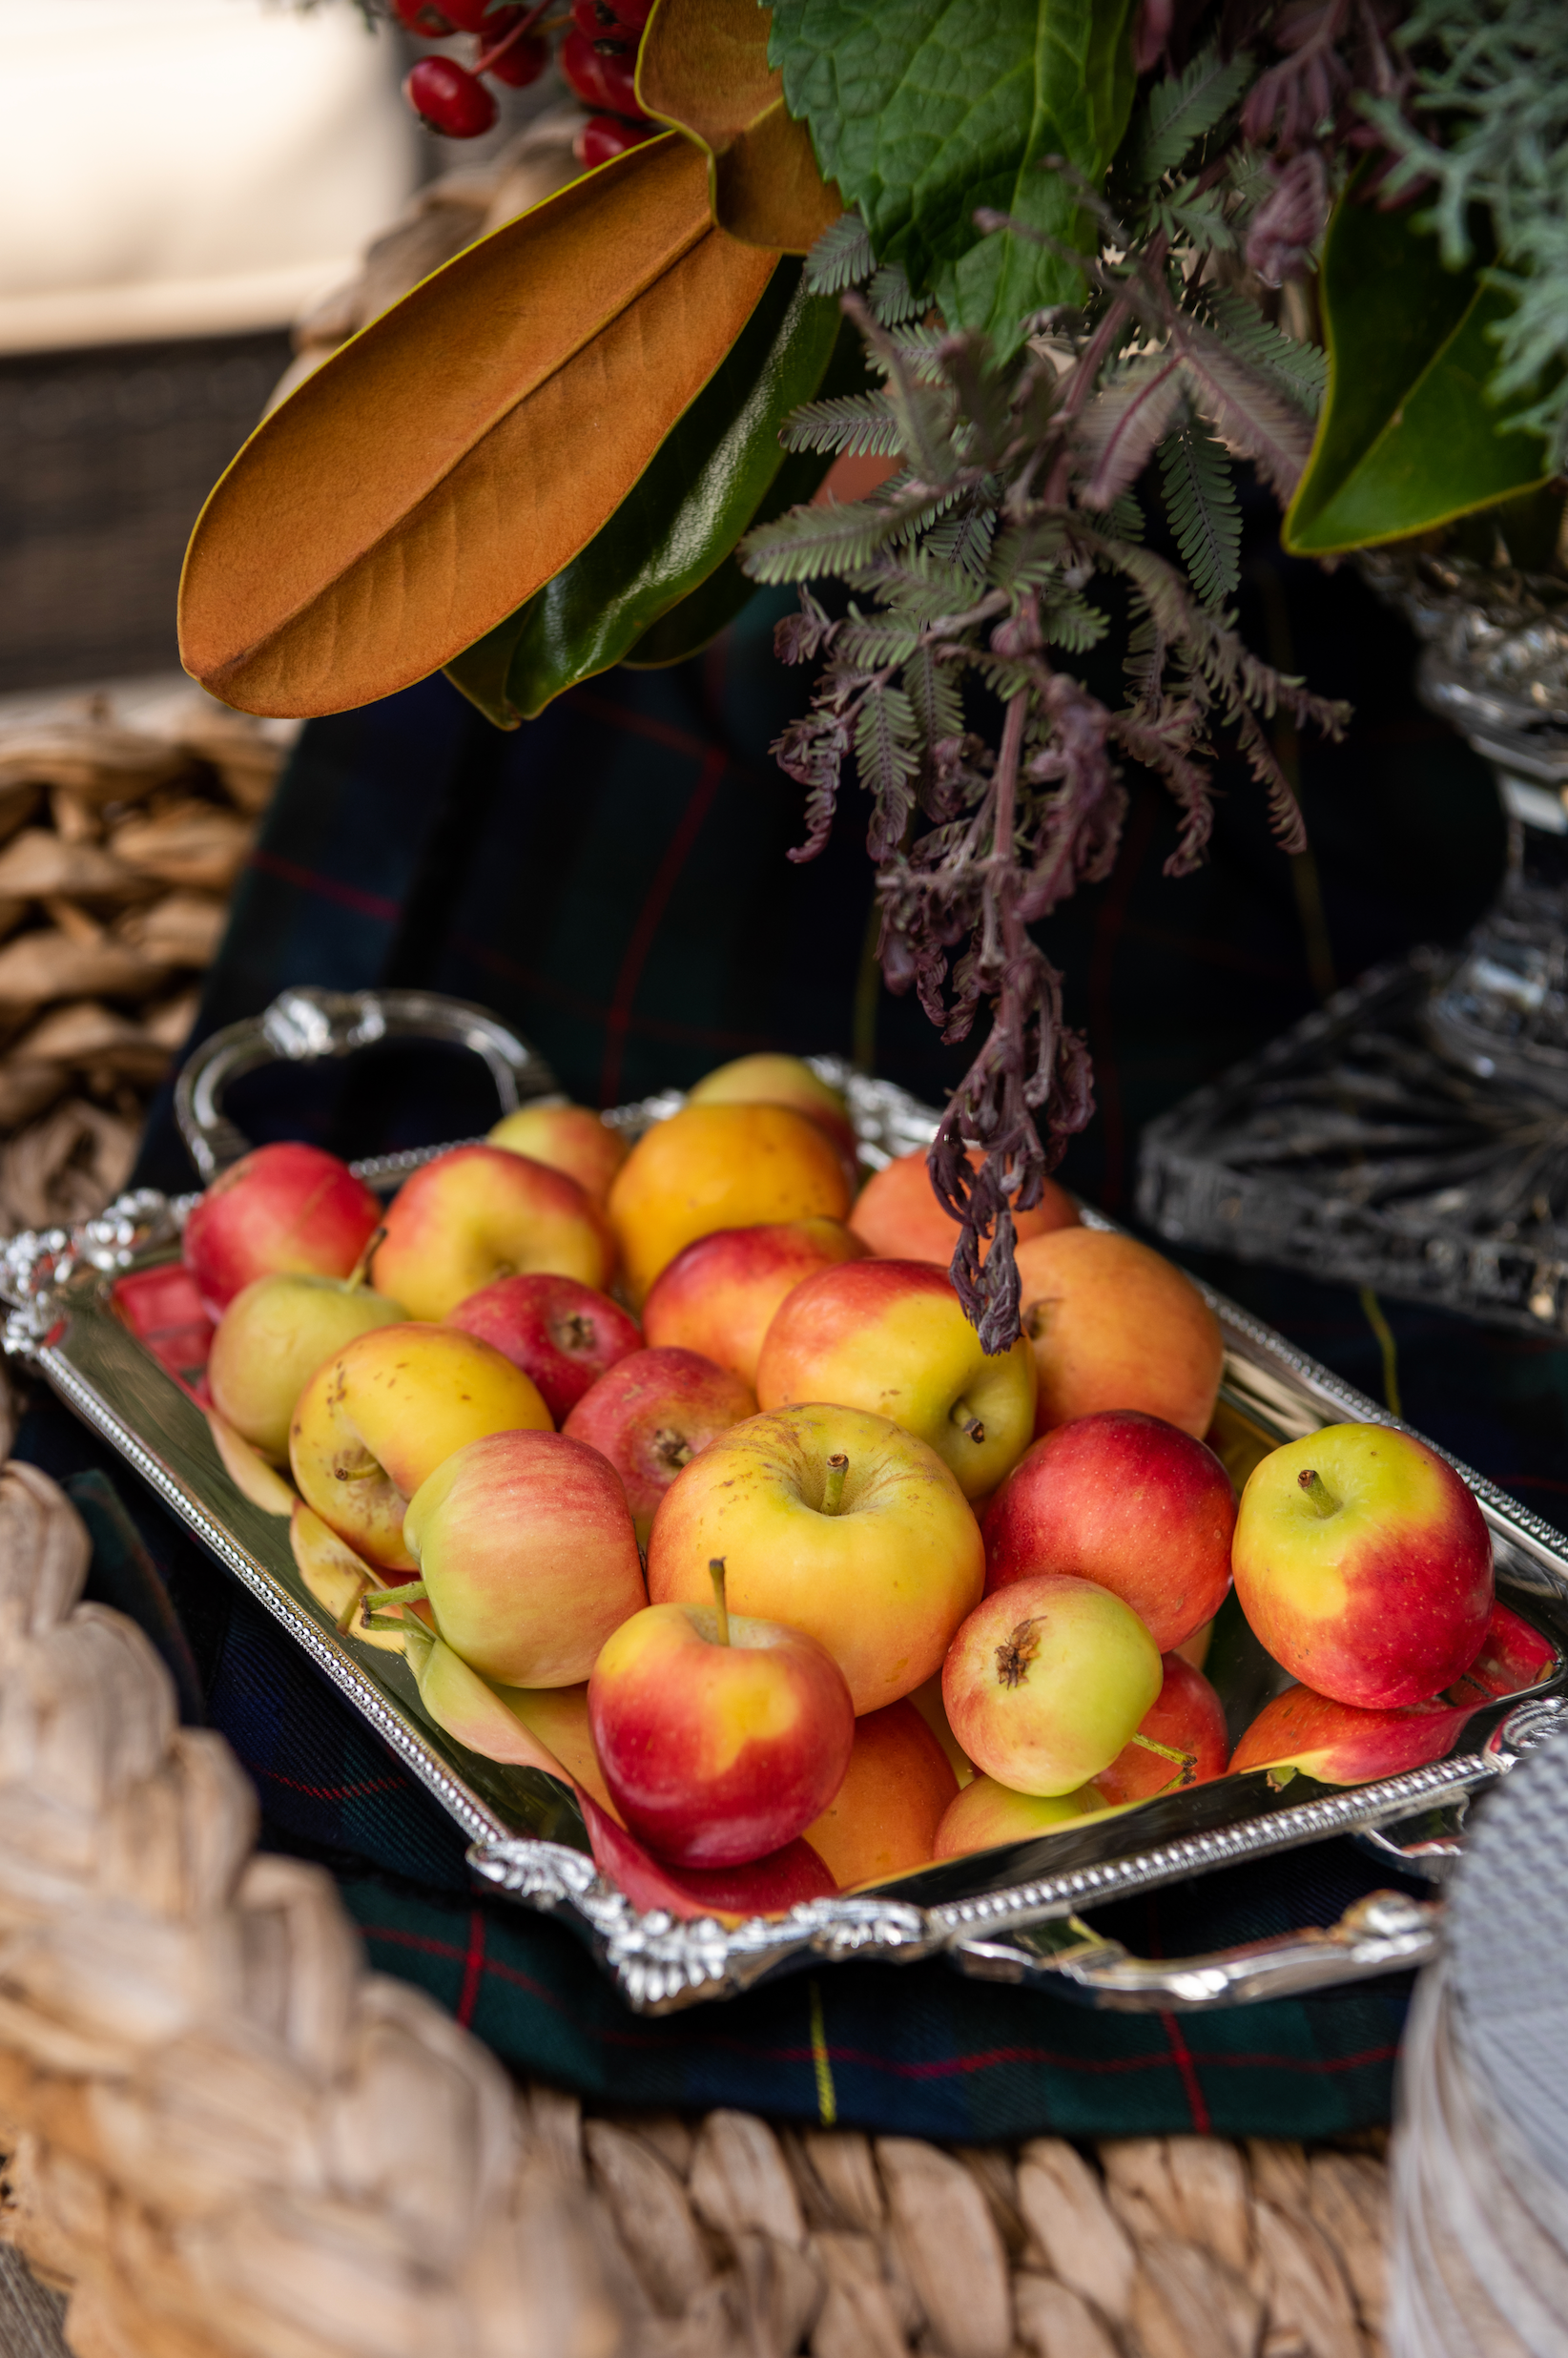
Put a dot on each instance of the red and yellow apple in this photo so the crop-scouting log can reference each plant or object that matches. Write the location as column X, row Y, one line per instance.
column 651, row 1414
column 772, row 1080
column 527, row 1556
column 1513, row 1656
column 380, row 1415
column 897, row 1213
column 718, row 1297
column 891, row 1337
column 759, row 1887
column 1046, row 1682
column 569, row 1138
column 1186, row 1717
column 720, row 1737
column 1340, row 1745
column 286, row 1206
column 987, row 1814
column 478, row 1213
column 339, row 1580
column 836, row 1522
column 562, row 1333
column 1114, row 1325
column 271, row 1339
column 883, row 1818
column 720, row 1167
column 1127, row 1500
column 1364, row 1566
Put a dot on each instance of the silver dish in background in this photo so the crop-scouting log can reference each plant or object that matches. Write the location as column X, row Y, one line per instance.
column 1011, row 1914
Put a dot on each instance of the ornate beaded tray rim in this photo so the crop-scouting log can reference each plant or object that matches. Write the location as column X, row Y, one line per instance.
column 1010, row 1913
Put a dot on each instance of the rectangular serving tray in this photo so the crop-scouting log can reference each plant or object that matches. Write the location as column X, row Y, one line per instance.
column 1012, row 1914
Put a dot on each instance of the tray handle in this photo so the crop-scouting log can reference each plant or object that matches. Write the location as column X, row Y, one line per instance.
column 303, row 1026
column 1386, row 1932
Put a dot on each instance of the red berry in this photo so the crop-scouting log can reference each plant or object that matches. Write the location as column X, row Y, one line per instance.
column 515, row 62
column 602, row 72
column 450, row 98
column 604, row 135
column 424, row 17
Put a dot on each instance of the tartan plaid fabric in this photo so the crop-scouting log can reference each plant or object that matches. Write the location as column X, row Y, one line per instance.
column 613, row 881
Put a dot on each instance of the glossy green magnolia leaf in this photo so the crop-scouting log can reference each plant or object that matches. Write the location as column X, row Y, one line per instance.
column 674, row 531
column 1409, row 438
column 924, row 110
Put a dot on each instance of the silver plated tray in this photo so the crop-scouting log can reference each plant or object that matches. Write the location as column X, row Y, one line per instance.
column 1015, row 1913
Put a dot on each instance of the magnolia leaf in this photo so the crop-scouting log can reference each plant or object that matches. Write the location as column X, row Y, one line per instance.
column 455, row 453
column 1409, row 437
column 703, row 67
column 924, row 111
column 721, row 468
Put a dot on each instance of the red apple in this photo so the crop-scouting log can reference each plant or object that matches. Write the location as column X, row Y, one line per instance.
column 1130, row 1501
column 718, row 1297
column 651, row 1414
column 891, row 1337
column 527, row 1556
column 1364, row 1566
column 1339, row 1745
column 720, row 1737
column 897, row 1215
column 566, row 1335
column 987, row 1814
column 478, row 1213
column 832, row 1521
column 288, row 1207
column 1186, row 1716
column 883, row 1818
column 760, row 1887
column 1047, row 1680
column 1513, row 1657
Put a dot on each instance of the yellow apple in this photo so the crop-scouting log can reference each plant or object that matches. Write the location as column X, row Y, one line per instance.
column 720, row 1166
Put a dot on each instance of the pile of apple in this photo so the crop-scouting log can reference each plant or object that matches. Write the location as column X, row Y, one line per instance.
column 680, row 1473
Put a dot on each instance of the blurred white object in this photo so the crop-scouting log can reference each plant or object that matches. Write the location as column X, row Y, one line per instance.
column 188, row 167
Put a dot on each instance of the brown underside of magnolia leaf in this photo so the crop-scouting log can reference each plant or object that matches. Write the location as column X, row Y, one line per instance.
column 703, row 66
column 463, row 447
column 767, row 189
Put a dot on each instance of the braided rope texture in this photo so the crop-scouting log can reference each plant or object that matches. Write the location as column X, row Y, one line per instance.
column 226, row 2138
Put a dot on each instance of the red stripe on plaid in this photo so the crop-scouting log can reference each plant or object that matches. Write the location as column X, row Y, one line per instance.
column 594, row 1011
column 650, row 918
column 327, row 887
column 326, row 1793
column 1191, row 2082
column 473, row 1970
column 644, row 725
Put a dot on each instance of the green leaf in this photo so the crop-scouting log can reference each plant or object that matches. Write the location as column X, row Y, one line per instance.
column 1181, row 109
column 1410, row 436
column 1204, row 512
column 675, row 529
column 924, row 110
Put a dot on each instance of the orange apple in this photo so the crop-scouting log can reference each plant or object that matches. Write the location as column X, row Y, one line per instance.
column 271, row 1339
column 651, row 1414
column 1364, row 1566
column 1127, row 1500
column 566, row 1335
column 380, row 1415
column 527, row 1556
column 569, row 1138
column 1186, row 1717
column 883, row 1818
column 1047, row 1680
column 284, row 1206
column 718, row 1297
column 1114, row 1325
column 771, row 1080
column 759, row 1887
column 478, row 1213
column 987, row 1814
column 891, row 1337
column 720, row 1166
column 897, row 1212
column 719, row 1737
column 834, row 1522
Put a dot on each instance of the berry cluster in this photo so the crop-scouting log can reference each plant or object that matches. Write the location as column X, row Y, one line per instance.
column 597, row 57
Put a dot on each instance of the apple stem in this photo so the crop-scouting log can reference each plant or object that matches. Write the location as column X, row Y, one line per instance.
column 361, row 1270
column 715, row 1573
column 1186, row 1762
column 832, row 1488
column 358, row 1473
column 412, row 1592
column 966, row 1421
column 1317, row 1490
